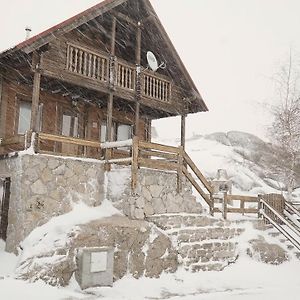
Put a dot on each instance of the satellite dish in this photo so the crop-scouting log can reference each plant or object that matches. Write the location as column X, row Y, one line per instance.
column 152, row 61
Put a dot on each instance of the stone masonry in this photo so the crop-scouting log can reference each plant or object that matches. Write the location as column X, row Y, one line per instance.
column 45, row 186
column 156, row 194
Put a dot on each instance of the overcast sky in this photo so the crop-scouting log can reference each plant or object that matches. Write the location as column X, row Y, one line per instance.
column 231, row 48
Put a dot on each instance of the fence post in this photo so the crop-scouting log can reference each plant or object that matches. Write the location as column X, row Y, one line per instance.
column 212, row 204
column 242, row 207
column 179, row 169
column 134, row 163
column 225, row 206
column 259, row 207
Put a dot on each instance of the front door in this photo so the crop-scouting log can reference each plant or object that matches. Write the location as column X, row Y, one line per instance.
column 4, row 206
column 69, row 128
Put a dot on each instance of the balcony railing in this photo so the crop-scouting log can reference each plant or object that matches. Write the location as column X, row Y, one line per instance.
column 87, row 63
column 96, row 65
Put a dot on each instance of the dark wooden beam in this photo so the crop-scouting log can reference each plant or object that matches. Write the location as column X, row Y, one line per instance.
column 182, row 133
column 2, row 109
column 35, row 93
column 125, row 18
column 138, row 79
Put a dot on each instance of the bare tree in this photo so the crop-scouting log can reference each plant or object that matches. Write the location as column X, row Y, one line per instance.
column 285, row 129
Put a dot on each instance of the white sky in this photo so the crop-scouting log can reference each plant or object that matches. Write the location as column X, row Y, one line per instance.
column 230, row 47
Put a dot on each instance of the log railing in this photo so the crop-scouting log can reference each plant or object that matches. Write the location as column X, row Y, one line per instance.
column 95, row 65
column 87, row 63
column 156, row 87
column 126, row 76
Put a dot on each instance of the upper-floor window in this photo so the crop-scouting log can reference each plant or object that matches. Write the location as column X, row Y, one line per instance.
column 70, row 125
column 24, row 116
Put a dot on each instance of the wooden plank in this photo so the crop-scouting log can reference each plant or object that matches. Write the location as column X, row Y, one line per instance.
column 243, row 198
column 196, row 186
column 138, row 79
column 69, row 140
column 197, row 172
column 159, row 147
column 165, row 155
column 242, row 211
column 18, row 139
column 157, row 164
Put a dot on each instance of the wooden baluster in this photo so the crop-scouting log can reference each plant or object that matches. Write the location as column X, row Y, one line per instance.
column 126, row 78
column 167, row 91
column 71, row 59
column 68, row 58
column 80, row 62
column 119, row 75
column 90, row 65
column 163, row 91
column 75, row 60
column 123, row 74
column 103, row 69
column 150, row 86
column 160, row 90
column 130, row 79
column 99, row 68
column 94, row 66
column 85, row 64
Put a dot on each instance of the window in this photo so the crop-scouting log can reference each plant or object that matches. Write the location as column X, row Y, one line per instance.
column 24, row 116
column 103, row 133
column 124, row 132
column 69, row 125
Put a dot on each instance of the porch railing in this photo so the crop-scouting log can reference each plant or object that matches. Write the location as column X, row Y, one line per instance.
column 142, row 154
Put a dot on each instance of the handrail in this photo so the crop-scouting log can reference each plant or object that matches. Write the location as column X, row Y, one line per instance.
column 282, row 230
column 292, row 208
column 280, row 217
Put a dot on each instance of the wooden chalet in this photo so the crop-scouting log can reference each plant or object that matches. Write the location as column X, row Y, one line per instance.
column 87, row 79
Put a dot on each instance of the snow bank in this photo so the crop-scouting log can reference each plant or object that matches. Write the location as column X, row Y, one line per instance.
column 54, row 234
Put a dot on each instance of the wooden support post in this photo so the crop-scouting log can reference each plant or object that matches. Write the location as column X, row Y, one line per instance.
column 259, row 206
column 179, row 169
column 182, row 135
column 138, row 79
column 225, row 206
column 113, row 36
column 212, row 204
column 134, row 163
column 109, row 128
column 35, row 102
column 242, row 207
column 2, row 110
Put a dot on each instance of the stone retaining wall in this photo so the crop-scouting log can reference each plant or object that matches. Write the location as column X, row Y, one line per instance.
column 156, row 193
column 44, row 186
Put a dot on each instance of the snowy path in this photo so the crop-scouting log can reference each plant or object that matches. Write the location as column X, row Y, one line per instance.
column 244, row 280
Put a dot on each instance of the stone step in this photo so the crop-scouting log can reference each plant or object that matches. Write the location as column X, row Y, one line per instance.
column 177, row 221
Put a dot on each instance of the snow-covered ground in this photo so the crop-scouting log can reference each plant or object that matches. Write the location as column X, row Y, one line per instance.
column 244, row 280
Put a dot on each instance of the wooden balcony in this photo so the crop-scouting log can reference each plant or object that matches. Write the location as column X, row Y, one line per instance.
column 116, row 73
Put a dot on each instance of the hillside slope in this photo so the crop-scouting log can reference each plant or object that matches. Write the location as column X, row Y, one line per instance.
column 246, row 158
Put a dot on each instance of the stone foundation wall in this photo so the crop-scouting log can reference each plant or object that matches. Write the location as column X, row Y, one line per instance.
column 45, row 186
column 156, row 193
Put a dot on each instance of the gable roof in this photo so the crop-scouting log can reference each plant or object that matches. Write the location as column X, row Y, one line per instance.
column 196, row 103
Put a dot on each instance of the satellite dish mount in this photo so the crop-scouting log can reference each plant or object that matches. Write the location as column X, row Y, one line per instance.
column 152, row 62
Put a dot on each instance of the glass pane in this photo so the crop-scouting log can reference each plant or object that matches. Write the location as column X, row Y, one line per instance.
column 124, row 132
column 66, row 125
column 103, row 133
column 24, row 117
column 76, row 125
